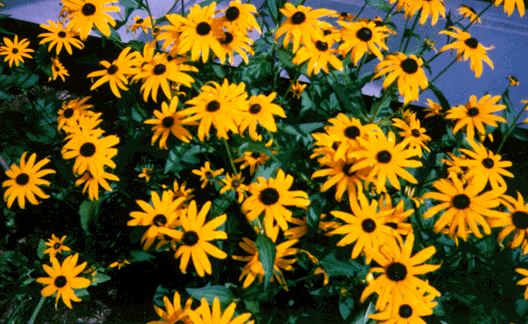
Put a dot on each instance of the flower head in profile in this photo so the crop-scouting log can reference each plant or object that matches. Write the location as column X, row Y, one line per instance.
column 25, row 180
column 469, row 12
column 433, row 109
column 63, row 279
column 58, row 70
column 175, row 313
column 361, row 38
column 300, row 25
column 470, row 47
column 509, row 6
column 87, row 13
column 407, row 71
column 513, row 80
column 143, row 23
column 60, row 36
column 433, row 8
column 15, row 51
column 297, row 89
column 146, row 173
column 92, row 183
column 253, row 160
column 56, row 245
column 475, row 113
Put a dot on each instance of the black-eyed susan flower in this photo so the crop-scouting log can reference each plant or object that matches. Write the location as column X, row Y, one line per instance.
column 470, row 47
column 170, row 34
column 143, row 23
column 366, row 226
column 398, row 273
column 214, row 314
column 433, row 110
column 92, row 183
column 87, row 13
column 465, row 207
column 319, row 53
column 523, row 281
column 329, row 31
column 25, row 180
column 469, row 12
column 146, row 173
column 121, row 262
column 167, row 121
column 509, row 6
column 253, row 160
column 207, row 174
column 58, row 70
column 362, row 37
column 397, row 217
column 196, row 238
column 388, row 160
column 219, row 105
column 56, row 245
column 513, row 80
column 71, row 111
column 401, row 4
column 260, row 110
column 343, row 16
column 408, row 72
column 301, row 24
column 181, row 191
column 60, row 36
column 232, row 42
column 271, row 196
column 175, row 313
column 15, row 51
column 63, row 279
column 90, row 152
column 485, row 166
column 515, row 221
column 473, row 114
column 433, row 8
column 234, row 183
column 297, row 89
column 239, row 18
column 412, row 133
column 116, row 72
column 87, row 123
column 197, row 33
column 253, row 269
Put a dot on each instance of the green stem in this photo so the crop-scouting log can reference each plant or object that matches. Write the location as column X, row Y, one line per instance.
column 360, row 11
column 273, row 54
column 36, row 311
column 412, row 29
column 293, row 80
column 183, row 8
column 388, row 13
column 442, row 72
column 174, row 5
column 360, row 66
column 229, row 155
column 512, row 127
column 371, row 120
column 401, row 43
column 153, row 22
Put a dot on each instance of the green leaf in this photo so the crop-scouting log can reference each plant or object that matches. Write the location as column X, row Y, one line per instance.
column 27, row 80
column 258, row 147
column 129, row 4
column 285, row 57
column 345, row 307
column 99, row 278
column 271, row 5
column 140, row 256
column 313, row 216
column 4, row 96
column 175, row 155
column 82, row 293
column 224, row 295
column 508, row 113
column 219, row 71
column 41, row 248
column 379, row 4
column 441, row 98
column 334, row 267
column 266, row 252
column 88, row 211
column 159, row 294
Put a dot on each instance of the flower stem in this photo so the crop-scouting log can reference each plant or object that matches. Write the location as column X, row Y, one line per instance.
column 371, row 120
column 360, row 11
column 412, row 29
column 229, row 155
column 512, row 127
column 36, row 311
column 445, row 69
column 183, row 8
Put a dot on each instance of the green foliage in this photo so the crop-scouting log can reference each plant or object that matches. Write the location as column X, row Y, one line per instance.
column 266, row 253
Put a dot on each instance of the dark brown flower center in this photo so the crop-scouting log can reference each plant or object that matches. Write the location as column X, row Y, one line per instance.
column 228, row 38
column 61, row 34
column 396, row 271
column 255, row 155
column 159, row 220
column 56, row 246
column 235, row 183
column 471, row 43
column 232, row 13
column 415, row 133
column 327, row 32
column 209, row 175
column 344, row 14
column 335, row 145
column 88, row 9
column 346, row 169
column 159, row 69
column 365, row 34
column 269, row 196
column 203, row 28
column 352, row 132
column 384, row 156
column 520, row 220
column 461, row 201
column 488, row 163
column 156, row 30
column 392, row 225
column 140, row 21
column 255, row 109
column 121, row 259
column 368, row 225
column 22, row 179
column 212, row 106
column 168, row 122
column 60, row 281
column 14, row 51
column 112, row 69
column 472, row 112
column 298, row 18
column 148, row 173
column 87, row 149
column 321, row 46
column 409, row 66
column 190, row 238
column 57, row 69
column 405, row 311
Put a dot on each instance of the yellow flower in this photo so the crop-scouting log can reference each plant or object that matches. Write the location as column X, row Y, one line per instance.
column 57, row 69
column 413, row 133
column 141, row 23
column 523, row 281
column 515, row 222
column 234, row 183
column 71, row 111
column 175, row 313
column 254, row 160
column 206, row 174
column 121, row 261
column 56, row 245
column 15, row 51
column 60, row 36
column 434, row 8
column 362, row 37
column 239, row 18
column 433, row 110
column 146, row 173
column 513, row 80
column 216, row 316
column 261, row 110
column 25, row 180
column 297, row 89
column 86, row 13
column 231, row 43
column 318, row 50
column 92, row 182
column 469, row 12
column 509, row 6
